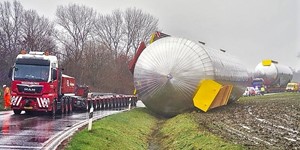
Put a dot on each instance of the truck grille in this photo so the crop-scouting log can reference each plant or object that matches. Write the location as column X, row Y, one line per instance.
column 30, row 89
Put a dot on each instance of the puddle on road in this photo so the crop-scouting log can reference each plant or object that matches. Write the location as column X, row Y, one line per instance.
column 38, row 139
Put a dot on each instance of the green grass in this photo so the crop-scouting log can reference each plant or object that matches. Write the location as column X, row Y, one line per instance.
column 129, row 130
column 276, row 96
column 183, row 133
column 1, row 100
column 133, row 130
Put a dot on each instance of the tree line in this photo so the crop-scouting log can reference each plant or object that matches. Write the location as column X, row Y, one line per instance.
column 92, row 47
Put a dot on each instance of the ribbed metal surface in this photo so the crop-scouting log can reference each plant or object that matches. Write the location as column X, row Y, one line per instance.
column 275, row 74
column 168, row 71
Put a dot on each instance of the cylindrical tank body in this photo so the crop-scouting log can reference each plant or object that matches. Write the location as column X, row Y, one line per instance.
column 169, row 70
column 274, row 74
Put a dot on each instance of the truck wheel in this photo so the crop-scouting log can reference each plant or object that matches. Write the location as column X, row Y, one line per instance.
column 53, row 112
column 62, row 107
column 17, row 111
column 71, row 106
column 67, row 107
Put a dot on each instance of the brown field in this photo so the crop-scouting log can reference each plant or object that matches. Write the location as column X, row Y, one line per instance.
column 259, row 122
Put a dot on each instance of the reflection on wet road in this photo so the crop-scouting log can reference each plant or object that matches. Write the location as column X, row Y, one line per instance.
column 36, row 130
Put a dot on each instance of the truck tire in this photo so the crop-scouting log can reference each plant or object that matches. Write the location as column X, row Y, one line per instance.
column 70, row 105
column 66, row 106
column 62, row 106
column 53, row 112
column 17, row 111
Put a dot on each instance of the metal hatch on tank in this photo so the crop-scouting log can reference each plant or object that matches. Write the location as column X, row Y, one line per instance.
column 173, row 75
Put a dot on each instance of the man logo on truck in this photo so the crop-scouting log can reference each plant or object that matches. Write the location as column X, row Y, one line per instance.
column 27, row 89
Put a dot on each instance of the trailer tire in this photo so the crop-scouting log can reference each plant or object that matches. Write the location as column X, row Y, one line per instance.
column 67, row 106
column 103, row 104
column 100, row 104
column 87, row 106
column 62, row 107
column 97, row 105
column 17, row 111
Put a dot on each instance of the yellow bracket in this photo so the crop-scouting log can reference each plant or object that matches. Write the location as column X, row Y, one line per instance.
column 152, row 37
column 222, row 97
column 206, row 93
column 211, row 94
column 267, row 62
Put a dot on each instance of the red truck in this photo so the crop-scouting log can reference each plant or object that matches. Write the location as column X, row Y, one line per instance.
column 39, row 85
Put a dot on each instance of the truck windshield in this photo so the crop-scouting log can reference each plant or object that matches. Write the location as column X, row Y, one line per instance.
column 258, row 83
column 27, row 72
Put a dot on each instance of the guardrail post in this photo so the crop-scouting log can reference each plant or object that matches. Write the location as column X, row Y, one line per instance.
column 90, row 118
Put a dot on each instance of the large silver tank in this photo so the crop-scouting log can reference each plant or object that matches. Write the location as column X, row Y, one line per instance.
column 273, row 73
column 169, row 70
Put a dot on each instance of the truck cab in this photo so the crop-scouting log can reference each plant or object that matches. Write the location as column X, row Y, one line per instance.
column 34, row 83
column 258, row 82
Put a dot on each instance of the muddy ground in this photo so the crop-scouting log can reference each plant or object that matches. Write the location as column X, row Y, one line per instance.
column 260, row 122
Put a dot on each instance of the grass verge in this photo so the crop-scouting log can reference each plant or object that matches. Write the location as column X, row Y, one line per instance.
column 1, row 100
column 128, row 130
column 274, row 96
column 184, row 133
column 134, row 130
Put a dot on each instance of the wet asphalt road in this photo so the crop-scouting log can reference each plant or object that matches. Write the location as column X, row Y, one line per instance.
column 35, row 131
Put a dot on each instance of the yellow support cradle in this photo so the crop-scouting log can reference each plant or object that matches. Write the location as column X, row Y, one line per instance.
column 211, row 94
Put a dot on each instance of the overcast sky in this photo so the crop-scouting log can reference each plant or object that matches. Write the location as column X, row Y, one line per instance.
column 252, row 30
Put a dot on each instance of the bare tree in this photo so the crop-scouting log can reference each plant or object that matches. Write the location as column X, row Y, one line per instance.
column 138, row 27
column 10, row 25
column 121, row 33
column 76, row 25
column 10, row 35
column 37, row 32
column 109, row 29
column 97, row 61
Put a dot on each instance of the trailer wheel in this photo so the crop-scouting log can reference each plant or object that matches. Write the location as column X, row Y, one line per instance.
column 66, row 106
column 118, row 103
column 107, row 104
column 122, row 102
column 71, row 106
column 87, row 106
column 62, row 106
column 17, row 111
column 97, row 105
column 101, row 104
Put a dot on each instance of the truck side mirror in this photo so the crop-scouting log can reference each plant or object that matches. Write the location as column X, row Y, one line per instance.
column 54, row 74
column 10, row 72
